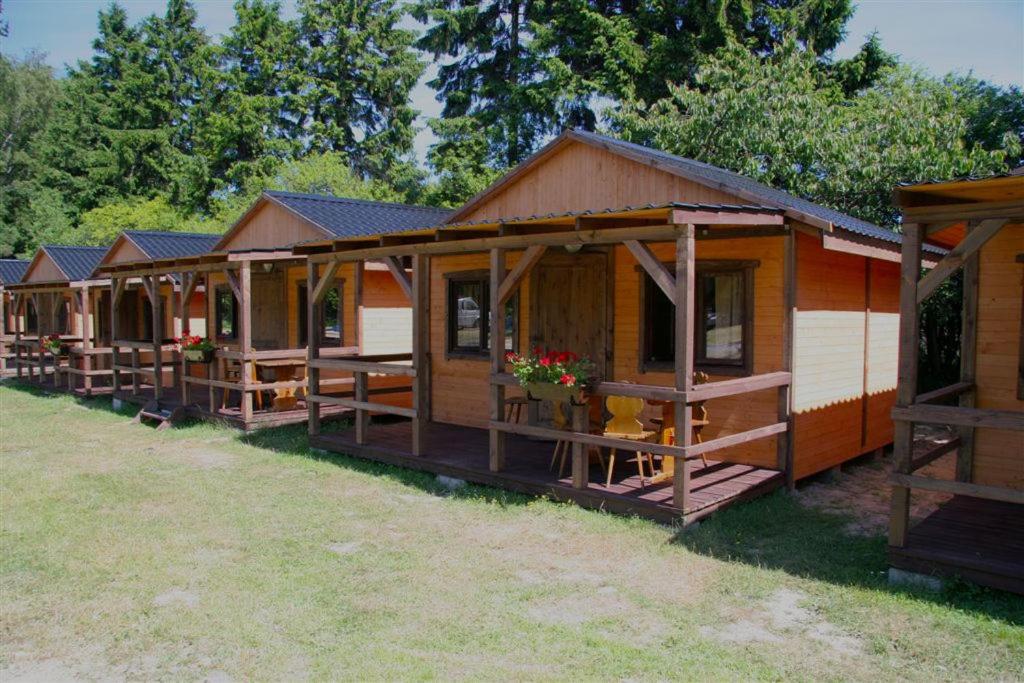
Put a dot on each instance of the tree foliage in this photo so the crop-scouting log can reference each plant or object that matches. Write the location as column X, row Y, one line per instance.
column 780, row 120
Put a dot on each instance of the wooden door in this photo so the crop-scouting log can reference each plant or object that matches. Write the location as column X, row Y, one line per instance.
column 571, row 305
column 269, row 310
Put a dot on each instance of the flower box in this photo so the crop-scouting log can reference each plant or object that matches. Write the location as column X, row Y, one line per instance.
column 198, row 355
column 545, row 391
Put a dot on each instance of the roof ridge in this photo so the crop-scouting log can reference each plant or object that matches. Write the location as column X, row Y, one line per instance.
column 73, row 246
column 354, row 200
column 171, row 233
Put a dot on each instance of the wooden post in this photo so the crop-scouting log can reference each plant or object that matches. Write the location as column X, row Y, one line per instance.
column 580, row 452
column 135, row 372
column 686, row 247
column 40, row 356
column 362, row 393
column 184, row 298
column 497, row 345
column 115, row 351
column 19, row 323
column 906, row 391
column 156, row 303
column 312, row 347
column 88, row 332
column 357, row 297
column 968, row 360
column 784, row 442
column 420, row 349
column 245, row 336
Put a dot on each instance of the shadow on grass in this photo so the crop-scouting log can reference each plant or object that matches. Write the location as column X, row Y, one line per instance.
column 777, row 532
column 101, row 403
column 774, row 532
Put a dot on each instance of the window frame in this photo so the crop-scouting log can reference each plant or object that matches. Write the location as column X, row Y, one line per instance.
column 217, row 289
column 703, row 267
column 303, row 316
column 482, row 277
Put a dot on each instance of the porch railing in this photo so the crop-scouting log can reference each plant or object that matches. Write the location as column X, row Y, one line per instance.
column 579, row 432
column 362, row 367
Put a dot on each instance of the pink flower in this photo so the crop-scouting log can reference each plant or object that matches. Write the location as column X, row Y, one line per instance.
column 545, row 361
column 568, row 380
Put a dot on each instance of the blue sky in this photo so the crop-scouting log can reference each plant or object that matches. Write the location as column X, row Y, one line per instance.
column 983, row 36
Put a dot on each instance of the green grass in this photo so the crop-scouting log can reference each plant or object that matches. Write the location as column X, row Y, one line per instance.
column 197, row 552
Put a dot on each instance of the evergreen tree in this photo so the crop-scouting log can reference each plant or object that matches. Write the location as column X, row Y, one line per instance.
column 252, row 118
column 361, row 68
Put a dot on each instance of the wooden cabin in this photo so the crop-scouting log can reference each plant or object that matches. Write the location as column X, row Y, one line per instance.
column 979, row 533
column 11, row 272
column 58, row 295
column 656, row 267
column 255, row 308
column 137, row 328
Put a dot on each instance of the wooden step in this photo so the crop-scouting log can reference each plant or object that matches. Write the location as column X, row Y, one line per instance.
column 164, row 417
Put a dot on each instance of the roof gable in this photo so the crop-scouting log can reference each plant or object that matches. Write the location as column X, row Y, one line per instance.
column 282, row 219
column 12, row 270
column 156, row 244
column 53, row 263
column 729, row 186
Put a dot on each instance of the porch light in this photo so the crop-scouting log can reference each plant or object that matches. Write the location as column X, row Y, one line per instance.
column 573, row 248
column 268, row 267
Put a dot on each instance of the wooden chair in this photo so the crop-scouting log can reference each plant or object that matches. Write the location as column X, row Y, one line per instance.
column 595, row 410
column 514, row 406
column 625, row 424
column 231, row 371
column 698, row 421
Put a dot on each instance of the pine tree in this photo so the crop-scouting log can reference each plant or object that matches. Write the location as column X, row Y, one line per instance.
column 361, row 68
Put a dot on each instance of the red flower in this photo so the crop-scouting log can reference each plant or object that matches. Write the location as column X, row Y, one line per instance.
column 564, row 356
column 511, row 357
column 537, row 351
column 567, row 379
column 545, row 361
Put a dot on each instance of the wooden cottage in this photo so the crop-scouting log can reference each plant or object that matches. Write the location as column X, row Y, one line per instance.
column 58, row 295
column 789, row 308
column 11, row 272
column 145, row 311
column 979, row 532
column 255, row 312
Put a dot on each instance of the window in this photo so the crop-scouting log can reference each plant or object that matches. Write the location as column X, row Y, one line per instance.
column 723, row 305
column 468, row 312
column 225, row 313
column 31, row 317
column 331, row 312
column 63, row 316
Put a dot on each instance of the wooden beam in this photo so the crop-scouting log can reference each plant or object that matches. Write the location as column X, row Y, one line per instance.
column 959, row 488
column 150, row 288
column 582, row 237
column 1011, row 209
column 712, row 217
column 245, row 335
column 934, row 453
column 323, row 284
column 964, row 417
column 313, row 347
column 189, row 288
column 952, row 262
column 968, row 358
column 497, row 344
column 236, row 286
column 944, row 392
column 420, row 350
column 398, row 272
column 522, row 268
column 906, row 389
column 654, row 267
column 685, row 279
column 119, row 285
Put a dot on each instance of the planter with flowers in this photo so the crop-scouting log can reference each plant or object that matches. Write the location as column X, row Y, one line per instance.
column 553, row 375
column 54, row 345
column 196, row 349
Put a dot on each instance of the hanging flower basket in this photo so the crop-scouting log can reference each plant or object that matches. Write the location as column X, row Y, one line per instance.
column 195, row 349
column 560, row 376
column 54, row 345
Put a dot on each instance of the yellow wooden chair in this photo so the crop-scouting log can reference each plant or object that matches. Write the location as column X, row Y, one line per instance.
column 625, row 424
column 595, row 409
column 231, row 371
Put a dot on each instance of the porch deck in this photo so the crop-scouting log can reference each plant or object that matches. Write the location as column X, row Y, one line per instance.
column 462, row 452
column 977, row 539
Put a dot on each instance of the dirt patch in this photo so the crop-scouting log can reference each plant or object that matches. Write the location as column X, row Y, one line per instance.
column 345, row 548
column 863, row 492
column 200, row 458
column 779, row 618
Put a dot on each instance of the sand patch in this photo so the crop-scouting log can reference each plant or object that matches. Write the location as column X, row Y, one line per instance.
column 579, row 610
column 176, row 597
column 863, row 492
column 345, row 548
column 779, row 618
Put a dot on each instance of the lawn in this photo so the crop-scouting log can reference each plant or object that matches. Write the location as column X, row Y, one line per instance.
column 199, row 553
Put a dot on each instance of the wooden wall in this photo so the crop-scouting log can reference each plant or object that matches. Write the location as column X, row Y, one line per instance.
column 999, row 454
column 44, row 270
column 844, row 358
column 386, row 316
column 269, row 227
column 579, row 176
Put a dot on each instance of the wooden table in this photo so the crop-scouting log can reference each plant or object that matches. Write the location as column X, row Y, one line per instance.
column 283, row 370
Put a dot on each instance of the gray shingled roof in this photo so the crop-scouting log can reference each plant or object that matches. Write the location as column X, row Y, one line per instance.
column 745, row 187
column 158, row 244
column 344, row 217
column 76, row 262
column 12, row 270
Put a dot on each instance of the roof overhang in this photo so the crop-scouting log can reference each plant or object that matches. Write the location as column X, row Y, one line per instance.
column 220, row 260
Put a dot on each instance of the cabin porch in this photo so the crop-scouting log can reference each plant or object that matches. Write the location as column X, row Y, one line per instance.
column 463, row 453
